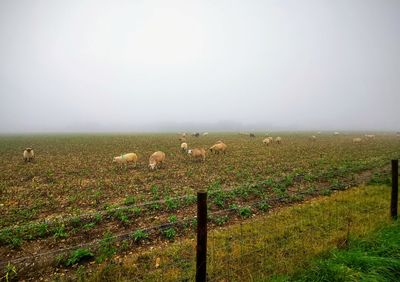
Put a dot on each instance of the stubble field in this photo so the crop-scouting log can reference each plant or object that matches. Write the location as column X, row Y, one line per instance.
column 72, row 193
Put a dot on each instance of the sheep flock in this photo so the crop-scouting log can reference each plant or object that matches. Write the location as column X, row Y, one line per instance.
column 157, row 159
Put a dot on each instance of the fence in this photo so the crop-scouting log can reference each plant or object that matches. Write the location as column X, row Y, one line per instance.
column 245, row 251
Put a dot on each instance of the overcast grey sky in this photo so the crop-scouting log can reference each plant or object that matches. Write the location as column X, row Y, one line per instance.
column 137, row 65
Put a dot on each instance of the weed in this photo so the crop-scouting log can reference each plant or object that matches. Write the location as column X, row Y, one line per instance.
column 130, row 200
column 191, row 199
column 59, row 231
column 172, row 219
column 244, row 212
column 98, row 217
column 139, row 235
column 221, row 220
column 136, row 211
column 263, row 206
column 78, row 255
column 10, row 272
column 169, row 233
column 172, row 204
column 155, row 206
column 106, row 249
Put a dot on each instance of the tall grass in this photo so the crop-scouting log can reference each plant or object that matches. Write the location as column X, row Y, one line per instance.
column 375, row 258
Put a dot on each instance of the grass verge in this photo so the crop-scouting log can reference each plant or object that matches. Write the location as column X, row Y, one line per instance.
column 281, row 243
column 374, row 258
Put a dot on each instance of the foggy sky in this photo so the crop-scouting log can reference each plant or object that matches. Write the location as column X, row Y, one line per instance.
column 198, row 65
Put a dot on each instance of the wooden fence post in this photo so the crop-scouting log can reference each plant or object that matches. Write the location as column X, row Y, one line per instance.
column 201, row 250
column 395, row 189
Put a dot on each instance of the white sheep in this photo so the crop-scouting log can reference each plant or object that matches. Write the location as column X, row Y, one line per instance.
column 278, row 140
column 156, row 159
column 219, row 147
column 335, row 133
column 370, row 136
column 266, row 141
column 184, row 146
column 313, row 138
column 205, row 133
column 357, row 140
column 28, row 154
column 198, row 154
column 126, row 158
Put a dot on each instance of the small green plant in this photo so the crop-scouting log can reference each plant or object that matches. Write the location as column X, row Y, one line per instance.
column 380, row 178
column 221, row 220
column 337, row 185
column 245, row 212
column 96, row 197
column 155, row 206
column 59, row 231
column 41, row 229
column 172, row 219
column 76, row 222
column 263, row 206
column 98, row 217
column 296, row 198
column 136, row 211
column 170, row 233
column 172, row 204
column 154, row 190
column 191, row 199
column 139, row 235
column 326, row 192
column 78, row 255
column 124, row 245
column 10, row 272
column 106, row 249
column 16, row 242
column 130, row 200
column 121, row 216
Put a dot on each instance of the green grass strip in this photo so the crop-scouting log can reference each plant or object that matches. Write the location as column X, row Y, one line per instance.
column 374, row 258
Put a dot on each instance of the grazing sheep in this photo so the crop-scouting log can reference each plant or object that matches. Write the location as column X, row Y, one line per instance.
column 28, row 154
column 357, row 140
column 184, row 146
column 205, row 133
column 252, row 135
column 335, row 133
column 370, row 136
column 271, row 139
column 319, row 132
column 313, row 138
column 156, row 159
column 183, row 134
column 266, row 141
column 278, row 140
column 198, row 154
column 219, row 147
column 126, row 158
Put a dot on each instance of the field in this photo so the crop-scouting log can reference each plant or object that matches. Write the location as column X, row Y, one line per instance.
column 72, row 193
